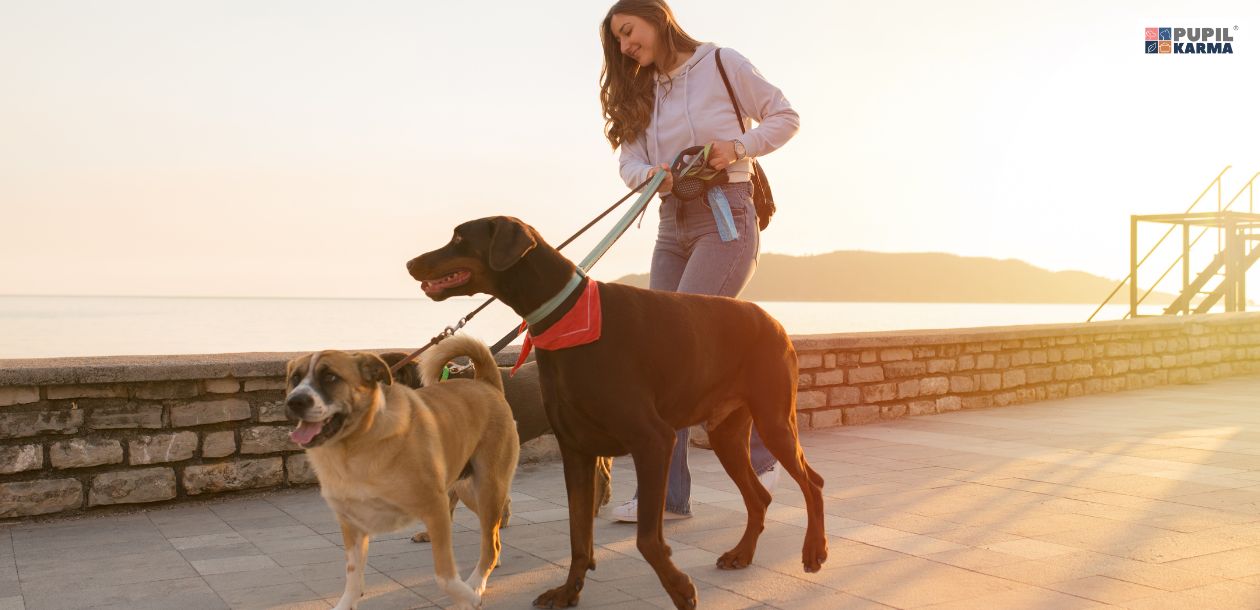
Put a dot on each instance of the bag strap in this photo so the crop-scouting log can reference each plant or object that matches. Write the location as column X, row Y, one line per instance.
column 729, row 91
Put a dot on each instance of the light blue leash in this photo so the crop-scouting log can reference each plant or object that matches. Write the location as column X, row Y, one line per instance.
column 602, row 247
column 543, row 310
column 721, row 214
column 626, row 220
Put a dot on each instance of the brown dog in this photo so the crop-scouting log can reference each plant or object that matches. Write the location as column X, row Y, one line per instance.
column 625, row 392
column 387, row 455
column 525, row 398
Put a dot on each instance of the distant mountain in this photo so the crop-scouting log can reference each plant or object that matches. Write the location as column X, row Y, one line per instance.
column 919, row 277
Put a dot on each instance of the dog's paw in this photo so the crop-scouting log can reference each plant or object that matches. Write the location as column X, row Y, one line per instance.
column 563, row 596
column 464, row 605
column 478, row 586
column 420, row 537
column 735, row 559
column 813, row 555
column 684, row 596
column 348, row 601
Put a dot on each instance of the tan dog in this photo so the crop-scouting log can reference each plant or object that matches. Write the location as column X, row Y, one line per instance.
column 525, row 398
column 387, row 455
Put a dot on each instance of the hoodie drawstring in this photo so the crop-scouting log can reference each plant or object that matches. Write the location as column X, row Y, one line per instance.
column 691, row 128
column 656, row 136
column 656, row 100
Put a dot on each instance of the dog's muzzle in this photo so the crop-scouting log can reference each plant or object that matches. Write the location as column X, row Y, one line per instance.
column 312, row 416
column 298, row 403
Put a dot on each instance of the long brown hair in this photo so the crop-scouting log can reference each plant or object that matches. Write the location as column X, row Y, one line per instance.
column 625, row 88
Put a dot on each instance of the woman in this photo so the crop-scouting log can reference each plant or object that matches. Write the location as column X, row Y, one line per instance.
column 662, row 92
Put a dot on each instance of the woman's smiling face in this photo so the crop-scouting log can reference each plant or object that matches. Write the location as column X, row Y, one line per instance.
column 636, row 37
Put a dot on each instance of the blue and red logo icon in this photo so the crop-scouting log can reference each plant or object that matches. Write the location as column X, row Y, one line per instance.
column 1158, row 40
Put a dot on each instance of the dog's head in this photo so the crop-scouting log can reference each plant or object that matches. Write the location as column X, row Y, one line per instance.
column 408, row 374
column 331, row 394
column 471, row 262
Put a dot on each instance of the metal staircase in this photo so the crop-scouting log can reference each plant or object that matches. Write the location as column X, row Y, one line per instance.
column 1236, row 251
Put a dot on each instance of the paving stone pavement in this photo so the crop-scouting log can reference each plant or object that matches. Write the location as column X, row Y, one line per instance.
column 1141, row 500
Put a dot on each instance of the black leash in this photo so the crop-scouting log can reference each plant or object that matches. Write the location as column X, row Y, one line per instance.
column 515, row 332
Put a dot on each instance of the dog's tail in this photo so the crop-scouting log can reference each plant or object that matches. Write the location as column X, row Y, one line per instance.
column 432, row 361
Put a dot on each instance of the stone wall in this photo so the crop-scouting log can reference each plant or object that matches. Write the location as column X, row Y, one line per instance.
column 81, row 433
column 863, row 378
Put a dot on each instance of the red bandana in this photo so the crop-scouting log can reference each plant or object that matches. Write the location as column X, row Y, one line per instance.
column 581, row 325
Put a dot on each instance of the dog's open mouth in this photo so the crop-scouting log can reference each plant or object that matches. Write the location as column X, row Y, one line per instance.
column 313, row 433
column 458, row 277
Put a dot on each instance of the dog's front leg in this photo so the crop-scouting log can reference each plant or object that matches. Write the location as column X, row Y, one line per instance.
column 355, row 542
column 579, row 482
column 651, row 463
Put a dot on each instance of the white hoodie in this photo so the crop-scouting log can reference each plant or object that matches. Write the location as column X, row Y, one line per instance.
column 695, row 110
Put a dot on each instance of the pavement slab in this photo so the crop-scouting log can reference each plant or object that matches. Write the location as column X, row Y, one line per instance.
column 1140, row 500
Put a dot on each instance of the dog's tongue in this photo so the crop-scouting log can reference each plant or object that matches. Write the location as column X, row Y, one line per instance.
column 305, row 431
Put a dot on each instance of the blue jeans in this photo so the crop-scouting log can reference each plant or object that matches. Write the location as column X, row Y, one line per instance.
column 691, row 258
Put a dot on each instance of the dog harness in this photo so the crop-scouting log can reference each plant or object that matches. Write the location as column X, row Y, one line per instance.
column 580, row 325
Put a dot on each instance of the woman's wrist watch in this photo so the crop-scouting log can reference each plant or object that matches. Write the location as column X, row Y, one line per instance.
column 740, row 152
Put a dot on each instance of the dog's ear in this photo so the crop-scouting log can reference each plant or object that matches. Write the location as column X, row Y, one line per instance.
column 373, row 369
column 292, row 367
column 510, row 240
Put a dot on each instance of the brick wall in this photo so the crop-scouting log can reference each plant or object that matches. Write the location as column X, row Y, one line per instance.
column 80, row 433
column 84, row 433
column 867, row 377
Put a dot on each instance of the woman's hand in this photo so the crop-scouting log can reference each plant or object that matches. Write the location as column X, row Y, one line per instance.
column 721, row 154
column 667, row 184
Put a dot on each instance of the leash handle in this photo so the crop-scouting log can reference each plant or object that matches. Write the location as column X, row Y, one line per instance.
column 698, row 166
column 677, row 166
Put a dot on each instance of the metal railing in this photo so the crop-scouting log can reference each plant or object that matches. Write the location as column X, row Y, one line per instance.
column 1249, row 187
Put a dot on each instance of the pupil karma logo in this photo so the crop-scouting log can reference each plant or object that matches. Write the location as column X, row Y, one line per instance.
column 1189, row 41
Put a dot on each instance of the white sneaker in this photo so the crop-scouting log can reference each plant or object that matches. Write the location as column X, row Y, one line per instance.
column 629, row 513
column 770, row 478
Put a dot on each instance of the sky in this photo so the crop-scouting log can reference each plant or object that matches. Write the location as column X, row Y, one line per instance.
column 310, row 148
